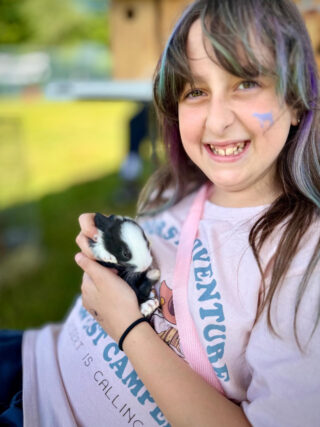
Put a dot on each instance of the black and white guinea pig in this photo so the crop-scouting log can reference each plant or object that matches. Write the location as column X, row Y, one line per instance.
column 122, row 244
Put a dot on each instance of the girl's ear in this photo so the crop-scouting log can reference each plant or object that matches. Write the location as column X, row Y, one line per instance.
column 295, row 117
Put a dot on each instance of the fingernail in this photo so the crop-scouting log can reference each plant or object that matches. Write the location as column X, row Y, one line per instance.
column 95, row 237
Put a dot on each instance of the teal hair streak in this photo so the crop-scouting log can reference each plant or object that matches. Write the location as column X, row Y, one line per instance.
column 235, row 35
column 221, row 49
column 218, row 47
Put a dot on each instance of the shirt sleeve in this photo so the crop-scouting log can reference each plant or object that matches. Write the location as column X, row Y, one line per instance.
column 285, row 384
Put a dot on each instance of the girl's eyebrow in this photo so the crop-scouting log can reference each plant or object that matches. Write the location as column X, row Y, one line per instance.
column 200, row 79
column 197, row 78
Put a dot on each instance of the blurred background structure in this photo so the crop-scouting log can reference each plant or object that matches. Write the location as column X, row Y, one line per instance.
column 75, row 109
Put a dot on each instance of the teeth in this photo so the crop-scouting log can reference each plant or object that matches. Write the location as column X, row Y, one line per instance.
column 230, row 151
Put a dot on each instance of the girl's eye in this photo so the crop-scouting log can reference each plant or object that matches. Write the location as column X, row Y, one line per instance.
column 195, row 93
column 248, row 84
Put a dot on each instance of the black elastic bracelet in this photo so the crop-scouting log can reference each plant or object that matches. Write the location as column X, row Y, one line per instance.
column 129, row 328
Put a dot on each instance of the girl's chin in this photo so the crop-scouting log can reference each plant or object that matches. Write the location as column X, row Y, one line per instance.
column 232, row 183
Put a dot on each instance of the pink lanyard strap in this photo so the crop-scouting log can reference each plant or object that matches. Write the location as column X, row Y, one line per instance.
column 190, row 343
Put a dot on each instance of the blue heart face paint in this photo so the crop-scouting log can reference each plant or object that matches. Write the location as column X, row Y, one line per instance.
column 264, row 117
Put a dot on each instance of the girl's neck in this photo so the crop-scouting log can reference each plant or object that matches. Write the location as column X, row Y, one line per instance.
column 241, row 199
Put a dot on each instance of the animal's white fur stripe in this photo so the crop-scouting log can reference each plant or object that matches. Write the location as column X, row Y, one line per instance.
column 100, row 251
column 137, row 244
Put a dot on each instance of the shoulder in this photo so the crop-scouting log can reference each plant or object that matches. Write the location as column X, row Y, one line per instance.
column 177, row 212
column 307, row 246
column 298, row 295
column 295, row 304
column 294, row 309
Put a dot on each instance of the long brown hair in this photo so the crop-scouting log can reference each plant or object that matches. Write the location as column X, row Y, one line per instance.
column 279, row 27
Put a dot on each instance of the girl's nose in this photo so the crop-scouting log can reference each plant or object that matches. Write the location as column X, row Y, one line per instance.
column 220, row 116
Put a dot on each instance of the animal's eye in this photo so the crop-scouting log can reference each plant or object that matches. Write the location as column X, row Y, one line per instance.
column 125, row 253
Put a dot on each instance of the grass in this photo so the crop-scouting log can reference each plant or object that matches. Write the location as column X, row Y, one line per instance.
column 72, row 160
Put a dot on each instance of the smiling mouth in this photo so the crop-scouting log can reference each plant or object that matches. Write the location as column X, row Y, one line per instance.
column 230, row 150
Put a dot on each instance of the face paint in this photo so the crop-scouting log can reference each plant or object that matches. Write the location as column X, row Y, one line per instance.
column 264, row 117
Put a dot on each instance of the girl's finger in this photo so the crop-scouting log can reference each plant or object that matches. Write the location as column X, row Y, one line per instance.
column 87, row 226
column 83, row 243
column 97, row 272
column 87, row 288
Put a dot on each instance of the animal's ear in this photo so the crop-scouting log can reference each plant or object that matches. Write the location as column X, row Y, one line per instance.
column 103, row 222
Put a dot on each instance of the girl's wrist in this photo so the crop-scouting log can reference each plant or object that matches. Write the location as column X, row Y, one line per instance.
column 115, row 327
column 129, row 329
column 137, row 335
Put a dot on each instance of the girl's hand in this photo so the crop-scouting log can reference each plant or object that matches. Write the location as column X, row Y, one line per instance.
column 88, row 230
column 105, row 295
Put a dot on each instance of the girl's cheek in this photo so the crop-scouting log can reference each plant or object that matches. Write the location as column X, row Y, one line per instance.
column 265, row 119
column 257, row 120
column 190, row 121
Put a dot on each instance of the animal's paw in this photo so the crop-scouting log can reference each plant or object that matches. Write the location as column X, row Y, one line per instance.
column 109, row 258
column 149, row 306
column 153, row 274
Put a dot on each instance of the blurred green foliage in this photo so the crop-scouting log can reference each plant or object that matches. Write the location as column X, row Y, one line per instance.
column 46, row 23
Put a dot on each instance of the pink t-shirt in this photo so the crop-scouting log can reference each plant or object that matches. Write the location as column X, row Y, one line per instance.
column 75, row 374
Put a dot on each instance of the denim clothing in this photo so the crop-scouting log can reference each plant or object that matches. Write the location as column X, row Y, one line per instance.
column 11, row 413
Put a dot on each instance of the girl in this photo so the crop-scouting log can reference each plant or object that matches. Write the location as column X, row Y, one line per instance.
column 233, row 220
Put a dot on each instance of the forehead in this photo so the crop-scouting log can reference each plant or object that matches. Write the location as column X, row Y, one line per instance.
column 200, row 47
column 197, row 45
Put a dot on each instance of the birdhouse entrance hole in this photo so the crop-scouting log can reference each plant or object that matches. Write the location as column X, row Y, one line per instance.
column 130, row 13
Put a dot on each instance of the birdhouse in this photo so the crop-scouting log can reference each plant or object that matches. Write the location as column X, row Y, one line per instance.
column 138, row 32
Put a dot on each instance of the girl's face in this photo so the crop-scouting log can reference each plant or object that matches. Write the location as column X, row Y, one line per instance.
column 232, row 129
